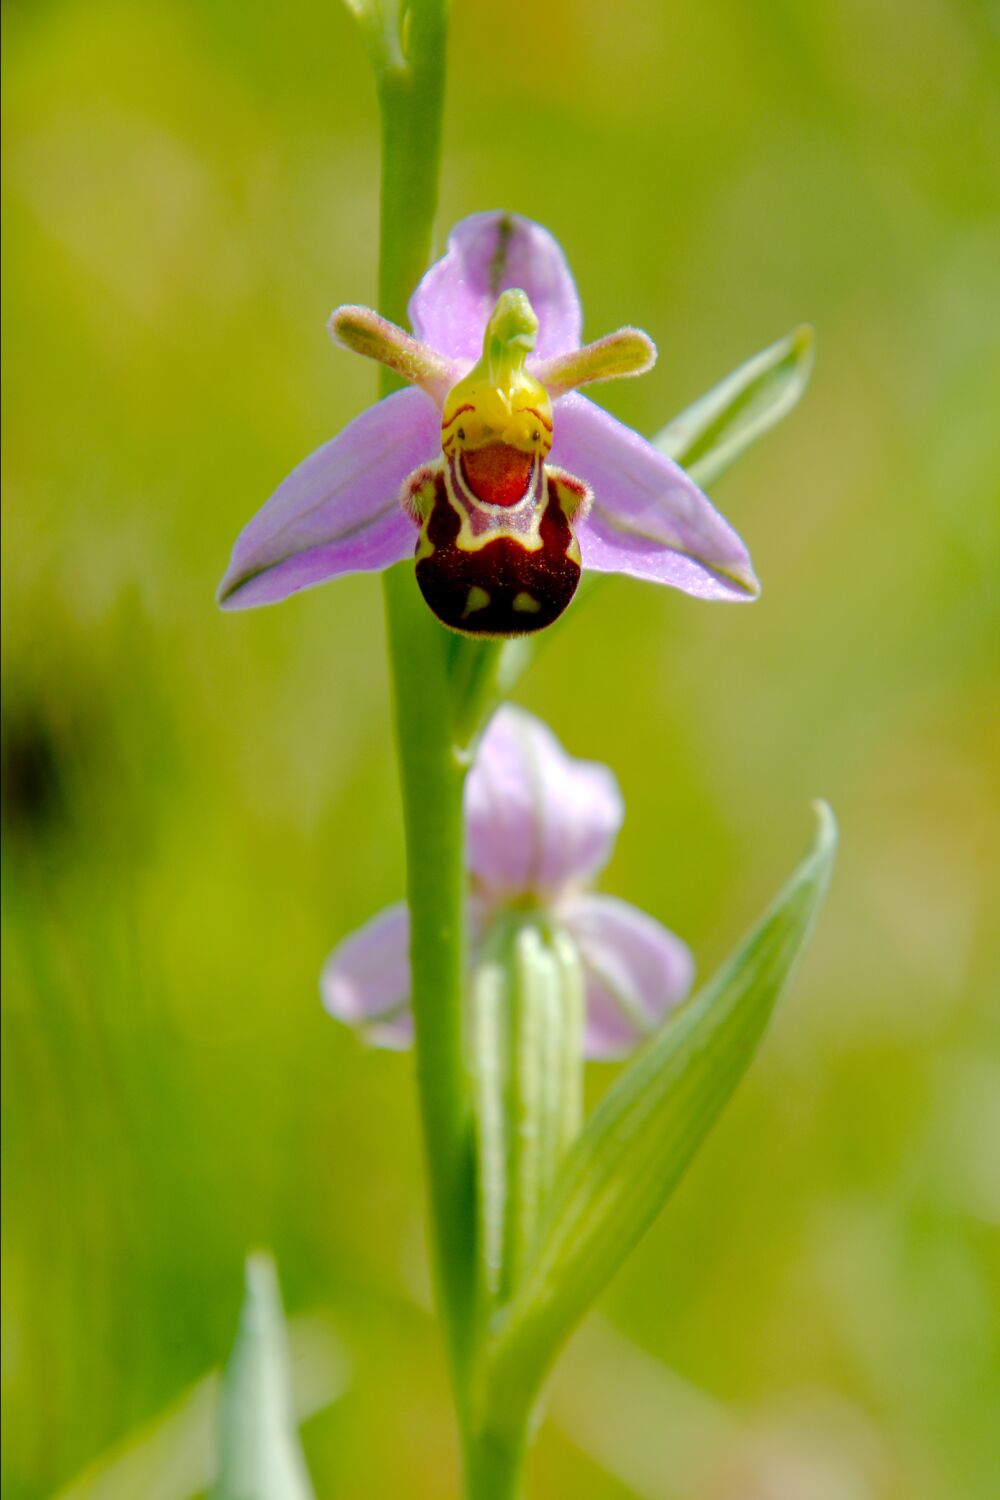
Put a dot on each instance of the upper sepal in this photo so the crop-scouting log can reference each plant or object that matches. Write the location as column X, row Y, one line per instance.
column 487, row 254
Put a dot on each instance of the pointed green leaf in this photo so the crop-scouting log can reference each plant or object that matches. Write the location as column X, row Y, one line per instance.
column 259, row 1453
column 710, row 435
column 640, row 1139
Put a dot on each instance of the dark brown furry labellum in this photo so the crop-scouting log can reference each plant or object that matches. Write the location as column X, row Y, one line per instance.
column 488, row 569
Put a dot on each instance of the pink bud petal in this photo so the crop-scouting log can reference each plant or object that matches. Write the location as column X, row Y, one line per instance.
column 538, row 820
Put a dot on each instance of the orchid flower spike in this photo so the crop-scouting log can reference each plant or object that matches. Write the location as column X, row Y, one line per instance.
column 491, row 469
column 541, row 825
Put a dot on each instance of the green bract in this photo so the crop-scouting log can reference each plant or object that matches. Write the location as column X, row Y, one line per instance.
column 527, row 1027
column 716, row 429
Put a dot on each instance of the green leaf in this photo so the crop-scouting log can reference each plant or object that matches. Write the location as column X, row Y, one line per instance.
column 259, row 1453
column 642, row 1136
column 710, row 435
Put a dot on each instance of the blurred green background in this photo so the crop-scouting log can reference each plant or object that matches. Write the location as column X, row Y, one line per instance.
column 197, row 806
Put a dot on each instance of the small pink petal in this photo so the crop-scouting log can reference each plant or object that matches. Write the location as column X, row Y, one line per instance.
column 339, row 511
column 635, row 971
column 538, row 820
column 488, row 254
column 366, row 980
column 648, row 518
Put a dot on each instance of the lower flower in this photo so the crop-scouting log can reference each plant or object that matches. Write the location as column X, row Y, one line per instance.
column 541, row 825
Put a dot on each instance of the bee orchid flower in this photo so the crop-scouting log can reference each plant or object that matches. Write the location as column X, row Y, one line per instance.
column 541, row 825
column 490, row 470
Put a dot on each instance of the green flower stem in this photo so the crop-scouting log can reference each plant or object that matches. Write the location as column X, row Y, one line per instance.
column 410, row 82
column 432, row 777
column 494, row 1466
column 432, row 771
column 411, row 90
column 437, row 709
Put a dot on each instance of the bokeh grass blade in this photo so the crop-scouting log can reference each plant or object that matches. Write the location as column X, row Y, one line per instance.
column 259, row 1453
column 174, row 1457
column 644, row 1133
column 712, row 433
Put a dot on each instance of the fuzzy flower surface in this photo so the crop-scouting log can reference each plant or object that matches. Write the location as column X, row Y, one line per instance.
column 541, row 826
column 491, row 470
